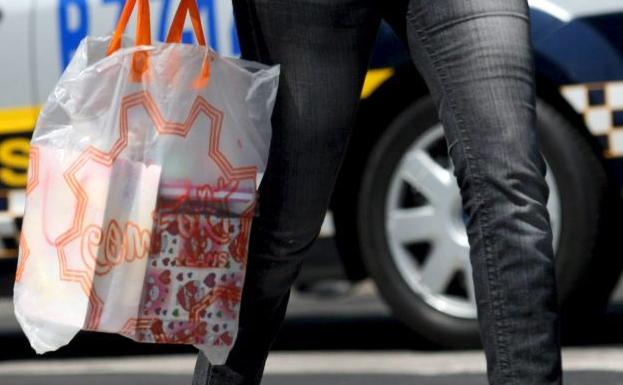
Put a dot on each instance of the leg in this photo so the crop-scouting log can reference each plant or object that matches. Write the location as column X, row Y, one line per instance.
column 323, row 47
column 477, row 60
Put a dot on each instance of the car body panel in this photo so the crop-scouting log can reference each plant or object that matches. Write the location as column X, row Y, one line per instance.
column 15, row 35
column 566, row 10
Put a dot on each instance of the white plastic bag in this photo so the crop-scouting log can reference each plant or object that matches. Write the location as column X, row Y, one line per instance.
column 141, row 192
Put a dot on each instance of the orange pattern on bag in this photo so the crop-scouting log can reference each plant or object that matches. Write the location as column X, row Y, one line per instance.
column 23, row 257
column 120, row 245
column 84, row 277
column 33, row 169
column 196, row 323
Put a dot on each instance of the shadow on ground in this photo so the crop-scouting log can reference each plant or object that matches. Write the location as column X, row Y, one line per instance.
column 571, row 378
column 297, row 334
column 377, row 331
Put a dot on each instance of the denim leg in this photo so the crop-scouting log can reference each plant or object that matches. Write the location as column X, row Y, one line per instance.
column 323, row 47
column 476, row 58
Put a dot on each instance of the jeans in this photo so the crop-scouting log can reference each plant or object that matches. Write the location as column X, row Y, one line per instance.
column 476, row 58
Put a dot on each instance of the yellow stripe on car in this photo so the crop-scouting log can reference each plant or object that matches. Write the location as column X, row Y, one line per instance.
column 18, row 120
column 374, row 79
column 15, row 126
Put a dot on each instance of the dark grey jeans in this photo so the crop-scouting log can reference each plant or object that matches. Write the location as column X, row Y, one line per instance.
column 476, row 57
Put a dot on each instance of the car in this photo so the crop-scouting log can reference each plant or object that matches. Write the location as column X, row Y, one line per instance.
column 396, row 214
column 397, row 208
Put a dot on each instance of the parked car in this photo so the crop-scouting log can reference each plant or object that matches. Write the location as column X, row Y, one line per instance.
column 397, row 215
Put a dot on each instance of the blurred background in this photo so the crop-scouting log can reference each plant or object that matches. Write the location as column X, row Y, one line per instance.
column 386, row 292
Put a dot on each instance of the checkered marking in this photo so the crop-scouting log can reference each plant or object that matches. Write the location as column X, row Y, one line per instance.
column 11, row 213
column 601, row 105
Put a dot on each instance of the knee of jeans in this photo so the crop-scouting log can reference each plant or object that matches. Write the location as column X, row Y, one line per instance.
column 283, row 243
column 508, row 179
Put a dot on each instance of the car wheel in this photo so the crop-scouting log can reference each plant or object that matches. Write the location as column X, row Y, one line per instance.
column 415, row 245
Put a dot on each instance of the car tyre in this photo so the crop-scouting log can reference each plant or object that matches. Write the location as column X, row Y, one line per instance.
column 584, row 215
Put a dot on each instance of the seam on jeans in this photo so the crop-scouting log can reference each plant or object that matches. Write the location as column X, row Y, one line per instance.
column 476, row 16
column 465, row 140
column 210, row 373
column 451, row 145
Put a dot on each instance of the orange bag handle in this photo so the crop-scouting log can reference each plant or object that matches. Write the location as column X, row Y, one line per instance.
column 189, row 7
column 143, row 35
column 177, row 27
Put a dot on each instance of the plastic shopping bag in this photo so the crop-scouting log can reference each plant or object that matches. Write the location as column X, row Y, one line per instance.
column 141, row 191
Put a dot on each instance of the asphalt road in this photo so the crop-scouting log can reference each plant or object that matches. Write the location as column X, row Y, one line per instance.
column 347, row 339
column 580, row 378
column 582, row 366
column 333, row 335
